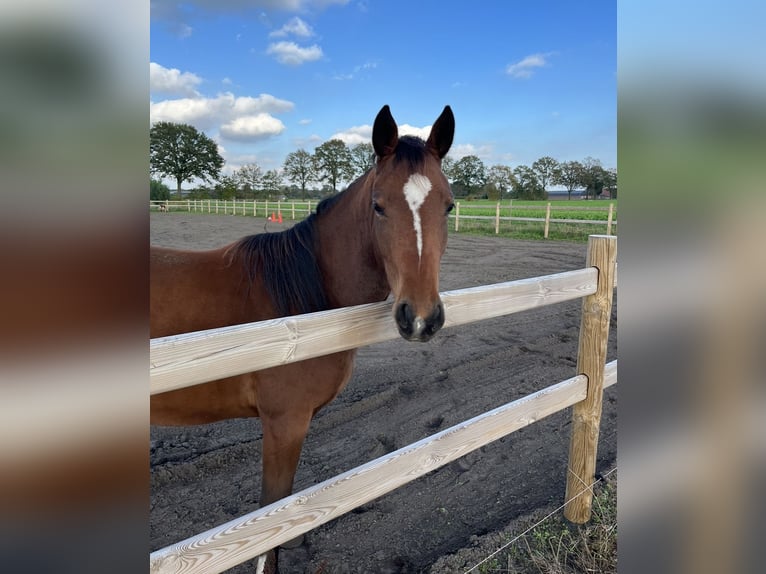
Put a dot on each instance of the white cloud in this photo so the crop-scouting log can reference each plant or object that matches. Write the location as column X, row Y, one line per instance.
column 363, row 134
column 294, row 26
column 525, row 67
column 304, row 122
column 208, row 113
column 293, row 55
column 247, row 128
column 172, row 81
column 408, row 130
column 355, row 135
column 485, row 152
column 357, row 69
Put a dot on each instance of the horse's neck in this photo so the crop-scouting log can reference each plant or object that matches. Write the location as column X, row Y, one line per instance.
column 353, row 274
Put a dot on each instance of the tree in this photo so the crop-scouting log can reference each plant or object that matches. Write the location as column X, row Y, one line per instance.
column 158, row 191
column 610, row 181
column 502, row 178
column 593, row 176
column 570, row 176
column 332, row 161
column 299, row 169
column 181, row 152
column 468, row 175
column 527, row 185
column 362, row 158
column 226, row 188
column 546, row 169
column 447, row 167
column 249, row 178
column 271, row 183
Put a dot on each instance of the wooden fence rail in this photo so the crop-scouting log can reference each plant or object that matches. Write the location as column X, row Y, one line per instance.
column 194, row 358
column 253, row 534
column 183, row 360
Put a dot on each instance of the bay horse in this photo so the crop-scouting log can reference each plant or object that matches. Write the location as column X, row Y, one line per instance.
column 385, row 234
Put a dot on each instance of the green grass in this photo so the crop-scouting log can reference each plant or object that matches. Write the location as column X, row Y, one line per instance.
column 556, row 546
column 560, row 209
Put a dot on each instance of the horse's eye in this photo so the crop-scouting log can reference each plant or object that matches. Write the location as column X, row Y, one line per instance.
column 450, row 207
column 378, row 209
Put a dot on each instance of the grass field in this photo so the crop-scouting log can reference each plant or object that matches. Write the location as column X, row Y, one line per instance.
column 484, row 211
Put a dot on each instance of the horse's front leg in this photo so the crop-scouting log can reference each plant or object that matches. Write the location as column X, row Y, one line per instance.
column 283, row 437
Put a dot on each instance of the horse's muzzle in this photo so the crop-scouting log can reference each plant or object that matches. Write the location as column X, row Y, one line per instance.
column 416, row 328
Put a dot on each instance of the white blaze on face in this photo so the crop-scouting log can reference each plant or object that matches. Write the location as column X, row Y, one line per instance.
column 415, row 192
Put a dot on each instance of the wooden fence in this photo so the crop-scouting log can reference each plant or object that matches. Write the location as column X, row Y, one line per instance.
column 462, row 213
column 193, row 358
column 503, row 216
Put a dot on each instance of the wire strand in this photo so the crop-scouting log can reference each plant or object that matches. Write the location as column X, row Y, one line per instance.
column 538, row 523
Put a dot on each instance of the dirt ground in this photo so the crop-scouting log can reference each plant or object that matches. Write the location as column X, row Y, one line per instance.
column 400, row 392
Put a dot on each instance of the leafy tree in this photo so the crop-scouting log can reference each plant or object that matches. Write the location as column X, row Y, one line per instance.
column 448, row 165
column 610, row 181
column 546, row 169
column 593, row 176
column 527, row 185
column 333, row 163
column 226, row 188
column 299, row 169
column 158, row 191
column 469, row 175
column 362, row 158
column 249, row 178
column 181, row 152
column 570, row 176
column 271, row 183
column 502, row 178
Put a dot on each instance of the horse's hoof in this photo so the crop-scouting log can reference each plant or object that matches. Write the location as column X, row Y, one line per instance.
column 294, row 543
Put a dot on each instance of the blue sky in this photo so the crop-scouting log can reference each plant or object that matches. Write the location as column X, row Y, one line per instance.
column 266, row 77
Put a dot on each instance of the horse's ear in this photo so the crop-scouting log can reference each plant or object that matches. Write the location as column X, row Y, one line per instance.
column 442, row 132
column 385, row 134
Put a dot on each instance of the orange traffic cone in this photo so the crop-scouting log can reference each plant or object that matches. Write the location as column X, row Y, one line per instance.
column 273, row 216
column 280, row 217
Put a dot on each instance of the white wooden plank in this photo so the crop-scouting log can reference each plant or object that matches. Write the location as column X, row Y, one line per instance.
column 610, row 374
column 191, row 358
column 241, row 539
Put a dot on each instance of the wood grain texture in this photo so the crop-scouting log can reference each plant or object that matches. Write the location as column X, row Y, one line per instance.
column 241, row 539
column 191, row 358
column 586, row 415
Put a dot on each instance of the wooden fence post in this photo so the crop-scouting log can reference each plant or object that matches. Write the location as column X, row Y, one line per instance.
column 457, row 216
column 609, row 219
column 547, row 219
column 591, row 357
column 510, row 214
column 497, row 218
column 293, row 206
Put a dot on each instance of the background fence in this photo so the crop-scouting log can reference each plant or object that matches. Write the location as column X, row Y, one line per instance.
column 193, row 358
column 522, row 219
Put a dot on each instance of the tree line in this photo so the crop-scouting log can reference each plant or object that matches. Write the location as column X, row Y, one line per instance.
column 182, row 153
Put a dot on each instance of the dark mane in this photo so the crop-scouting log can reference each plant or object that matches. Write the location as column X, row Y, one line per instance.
column 286, row 262
column 412, row 150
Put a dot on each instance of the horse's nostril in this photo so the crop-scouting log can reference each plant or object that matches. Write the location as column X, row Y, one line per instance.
column 404, row 317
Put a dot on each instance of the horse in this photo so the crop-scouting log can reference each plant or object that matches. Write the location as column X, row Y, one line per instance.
column 383, row 235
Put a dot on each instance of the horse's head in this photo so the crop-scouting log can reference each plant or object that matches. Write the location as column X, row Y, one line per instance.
column 410, row 202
